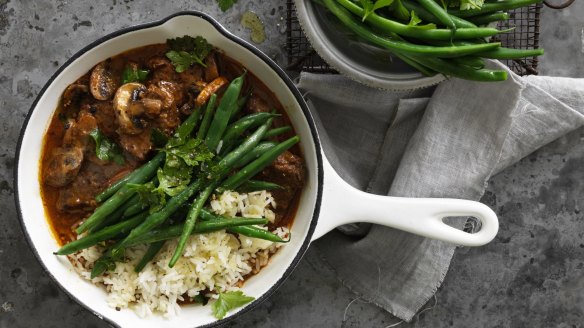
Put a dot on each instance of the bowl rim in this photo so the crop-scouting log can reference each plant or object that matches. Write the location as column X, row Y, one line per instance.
column 323, row 47
column 257, row 53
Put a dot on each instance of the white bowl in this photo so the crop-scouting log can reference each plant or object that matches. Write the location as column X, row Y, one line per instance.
column 324, row 195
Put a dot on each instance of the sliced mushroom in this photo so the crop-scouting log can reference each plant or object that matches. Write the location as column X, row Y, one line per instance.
column 102, row 83
column 199, row 86
column 63, row 166
column 129, row 108
column 77, row 134
column 72, row 96
column 152, row 107
column 210, row 89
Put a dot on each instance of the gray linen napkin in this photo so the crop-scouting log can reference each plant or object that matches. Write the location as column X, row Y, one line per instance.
column 405, row 144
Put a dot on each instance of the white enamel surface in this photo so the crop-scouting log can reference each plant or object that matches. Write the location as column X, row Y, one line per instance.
column 421, row 216
column 33, row 214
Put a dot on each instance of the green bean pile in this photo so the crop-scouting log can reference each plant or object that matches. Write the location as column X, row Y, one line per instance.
column 240, row 152
column 454, row 42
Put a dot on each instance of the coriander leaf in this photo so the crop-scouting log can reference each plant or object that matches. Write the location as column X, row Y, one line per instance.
column 174, row 176
column 198, row 45
column 181, row 156
column 134, row 74
column 183, row 60
column 186, row 51
column 229, row 301
column 193, row 152
column 154, row 197
column 105, row 149
column 226, row 4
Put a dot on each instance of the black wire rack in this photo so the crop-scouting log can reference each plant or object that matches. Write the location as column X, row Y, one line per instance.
column 525, row 35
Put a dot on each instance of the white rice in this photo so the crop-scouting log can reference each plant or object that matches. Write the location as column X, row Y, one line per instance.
column 215, row 262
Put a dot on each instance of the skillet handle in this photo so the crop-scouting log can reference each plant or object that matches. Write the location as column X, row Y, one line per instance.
column 343, row 204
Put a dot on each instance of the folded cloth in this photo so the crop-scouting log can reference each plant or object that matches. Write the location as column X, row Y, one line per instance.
column 405, row 144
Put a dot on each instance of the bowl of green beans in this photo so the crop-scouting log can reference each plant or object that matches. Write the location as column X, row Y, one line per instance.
column 326, row 200
column 410, row 44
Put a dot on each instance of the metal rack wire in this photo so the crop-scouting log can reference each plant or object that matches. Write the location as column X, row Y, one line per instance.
column 301, row 56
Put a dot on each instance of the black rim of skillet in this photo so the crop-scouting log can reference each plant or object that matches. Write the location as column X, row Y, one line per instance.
column 257, row 53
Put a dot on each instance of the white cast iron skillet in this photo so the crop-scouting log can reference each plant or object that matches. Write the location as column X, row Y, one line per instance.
column 326, row 202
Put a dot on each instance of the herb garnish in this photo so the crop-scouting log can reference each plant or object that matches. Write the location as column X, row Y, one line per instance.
column 226, row 4
column 229, row 301
column 149, row 194
column 105, row 149
column 134, row 74
column 186, row 51
column 181, row 157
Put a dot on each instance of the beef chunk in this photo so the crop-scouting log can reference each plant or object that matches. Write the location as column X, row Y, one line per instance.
column 79, row 197
column 289, row 172
column 139, row 145
column 104, row 114
column 161, row 69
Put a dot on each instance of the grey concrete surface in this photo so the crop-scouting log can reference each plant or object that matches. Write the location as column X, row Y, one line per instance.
column 532, row 275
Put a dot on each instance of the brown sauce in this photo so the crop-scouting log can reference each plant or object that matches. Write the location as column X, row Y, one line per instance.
column 94, row 176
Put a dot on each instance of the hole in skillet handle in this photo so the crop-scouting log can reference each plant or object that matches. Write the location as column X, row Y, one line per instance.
column 468, row 224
